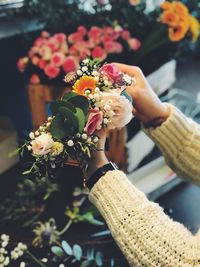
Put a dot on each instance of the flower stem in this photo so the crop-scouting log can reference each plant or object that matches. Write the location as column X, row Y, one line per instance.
column 35, row 259
column 66, row 227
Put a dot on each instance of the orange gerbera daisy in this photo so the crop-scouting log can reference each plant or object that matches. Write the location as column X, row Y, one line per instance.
column 166, row 5
column 83, row 84
column 180, row 8
column 177, row 33
column 170, row 18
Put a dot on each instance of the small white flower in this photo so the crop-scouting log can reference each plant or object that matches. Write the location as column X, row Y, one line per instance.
column 41, row 128
column 4, row 244
column 111, row 113
column 106, row 82
column 86, row 61
column 84, row 136
column 70, row 143
column 95, row 73
column 6, row 261
column 105, row 120
column 5, row 237
column 37, row 133
column 107, row 107
column 84, row 69
column 14, row 255
column 96, row 78
column 48, row 124
column 49, row 119
column 91, row 96
column 22, row 264
column 87, row 92
column 78, row 135
column 95, row 139
column 89, row 139
column 61, row 265
column 97, row 90
column 20, row 253
column 31, row 135
column 79, row 72
column 110, row 102
column 44, row 260
column 2, row 251
column 127, row 79
column 29, row 148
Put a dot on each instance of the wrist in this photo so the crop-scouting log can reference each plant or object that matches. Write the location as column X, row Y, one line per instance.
column 161, row 117
column 98, row 160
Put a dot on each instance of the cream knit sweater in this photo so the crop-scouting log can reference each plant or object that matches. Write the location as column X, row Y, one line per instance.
column 146, row 236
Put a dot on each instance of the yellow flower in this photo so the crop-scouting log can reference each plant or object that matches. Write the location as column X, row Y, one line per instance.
column 83, row 84
column 170, row 18
column 57, row 148
column 134, row 2
column 194, row 28
column 177, row 33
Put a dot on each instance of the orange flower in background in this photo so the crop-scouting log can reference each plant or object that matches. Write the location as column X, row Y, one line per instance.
column 180, row 8
column 134, row 2
column 166, row 5
column 170, row 18
column 83, row 84
column 194, row 27
column 177, row 33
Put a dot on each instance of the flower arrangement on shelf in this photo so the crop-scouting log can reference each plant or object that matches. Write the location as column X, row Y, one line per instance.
column 51, row 57
column 98, row 100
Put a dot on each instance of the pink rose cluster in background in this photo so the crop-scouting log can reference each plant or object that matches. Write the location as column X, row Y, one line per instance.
column 55, row 55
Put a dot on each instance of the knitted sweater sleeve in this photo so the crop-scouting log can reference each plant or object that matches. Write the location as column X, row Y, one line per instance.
column 146, row 236
column 179, row 140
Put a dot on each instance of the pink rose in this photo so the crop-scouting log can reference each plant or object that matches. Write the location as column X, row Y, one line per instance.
column 95, row 32
column 82, row 30
column 134, row 43
column 113, row 47
column 99, row 52
column 94, row 121
column 35, row 60
column 22, row 63
column 42, row 63
column 75, row 37
column 35, row 79
column 122, row 108
column 125, row 35
column 51, row 71
column 57, row 59
column 42, row 144
column 60, row 37
column 53, row 44
column 111, row 72
column 45, row 34
column 69, row 64
column 39, row 41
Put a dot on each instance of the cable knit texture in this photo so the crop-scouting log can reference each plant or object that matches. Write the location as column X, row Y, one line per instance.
column 144, row 233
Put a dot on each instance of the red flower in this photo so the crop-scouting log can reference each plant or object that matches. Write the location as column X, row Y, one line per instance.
column 94, row 121
column 57, row 59
column 42, row 63
column 113, row 47
column 75, row 37
column 134, row 43
column 35, row 79
column 69, row 64
column 51, row 71
column 82, row 30
column 39, row 41
column 99, row 52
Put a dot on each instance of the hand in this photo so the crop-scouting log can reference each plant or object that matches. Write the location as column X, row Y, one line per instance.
column 98, row 158
column 147, row 106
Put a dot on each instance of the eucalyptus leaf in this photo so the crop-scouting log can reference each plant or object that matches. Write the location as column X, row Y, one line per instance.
column 88, row 217
column 77, row 250
column 81, row 119
column 55, row 105
column 90, row 254
column 81, row 102
column 124, row 93
column 67, row 248
column 58, row 128
column 57, row 251
column 99, row 258
column 69, row 95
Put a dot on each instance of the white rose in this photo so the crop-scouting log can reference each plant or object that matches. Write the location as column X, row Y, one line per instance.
column 42, row 144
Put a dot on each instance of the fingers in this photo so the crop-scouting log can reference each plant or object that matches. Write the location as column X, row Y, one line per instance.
column 130, row 70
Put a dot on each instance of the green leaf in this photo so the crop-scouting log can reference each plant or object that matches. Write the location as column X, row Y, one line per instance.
column 70, row 119
column 87, row 263
column 81, row 102
column 90, row 254
column 57, row 251
column 55, row 105
column 69, row 95
column 66, row 247
column 58, row 128
column 81, row 119
column 99, row 258
column 77, row 252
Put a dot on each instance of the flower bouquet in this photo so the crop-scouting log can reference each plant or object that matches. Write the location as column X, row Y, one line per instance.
column 98, row 100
